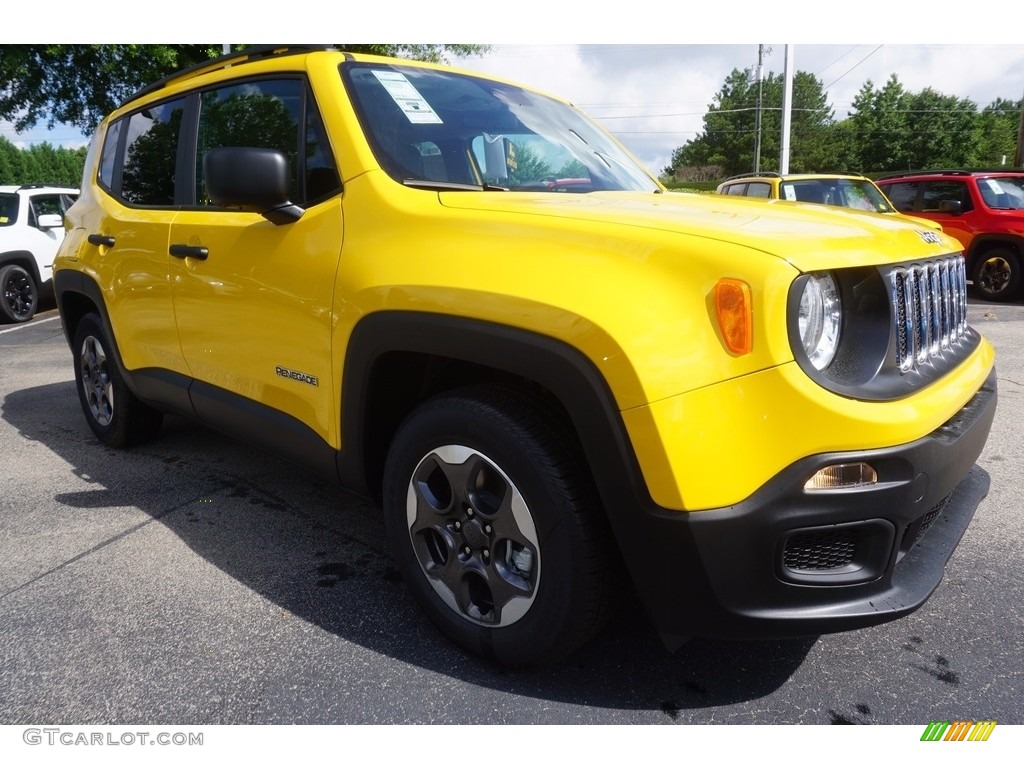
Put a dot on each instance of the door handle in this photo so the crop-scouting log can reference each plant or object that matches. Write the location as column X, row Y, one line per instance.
column 106, row 240
column 186, row 251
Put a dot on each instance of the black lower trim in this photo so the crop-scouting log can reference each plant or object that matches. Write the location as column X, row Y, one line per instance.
column 724, row 573
column 263, row 426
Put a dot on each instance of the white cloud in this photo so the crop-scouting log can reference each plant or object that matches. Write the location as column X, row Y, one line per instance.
column 653, row 97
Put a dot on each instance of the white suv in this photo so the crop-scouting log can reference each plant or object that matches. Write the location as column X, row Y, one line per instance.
column 31, row 229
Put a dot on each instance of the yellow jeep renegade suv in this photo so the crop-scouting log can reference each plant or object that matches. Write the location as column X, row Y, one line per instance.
column 759, row 415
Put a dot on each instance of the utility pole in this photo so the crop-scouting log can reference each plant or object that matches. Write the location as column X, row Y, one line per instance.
column 1018, row 158
column 757, row 115
column 787, row 112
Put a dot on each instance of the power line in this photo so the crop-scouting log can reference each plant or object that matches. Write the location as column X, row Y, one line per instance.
column 853, row 67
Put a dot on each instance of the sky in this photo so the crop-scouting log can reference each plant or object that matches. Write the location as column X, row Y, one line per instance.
column 645, row 69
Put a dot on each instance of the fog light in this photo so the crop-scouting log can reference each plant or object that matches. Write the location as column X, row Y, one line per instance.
column 842, row 476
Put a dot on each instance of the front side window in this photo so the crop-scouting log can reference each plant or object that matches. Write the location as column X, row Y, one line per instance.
column 759, row 189
column 446, row 130
column 321, row 174
column 938, row 192
column 263, row 114
column 47, row 204
column 148, row 176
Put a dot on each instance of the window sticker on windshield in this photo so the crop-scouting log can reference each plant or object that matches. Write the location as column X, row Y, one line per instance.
column 408, row 99
column 994, row 185
column 789, row 193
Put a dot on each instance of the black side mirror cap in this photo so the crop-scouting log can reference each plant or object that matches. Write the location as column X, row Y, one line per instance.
column 252, row 179
column 952, row 207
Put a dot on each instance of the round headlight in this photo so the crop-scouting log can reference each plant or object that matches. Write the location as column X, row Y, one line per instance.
column 820, row 319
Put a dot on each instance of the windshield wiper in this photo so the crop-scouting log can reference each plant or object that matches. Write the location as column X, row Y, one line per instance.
column 452, row 186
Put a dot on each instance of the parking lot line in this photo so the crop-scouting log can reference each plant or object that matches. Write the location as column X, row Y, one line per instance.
column 29, row 325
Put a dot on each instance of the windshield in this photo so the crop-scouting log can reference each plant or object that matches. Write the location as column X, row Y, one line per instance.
column 444, row 130
column 860, row 194
column 1004, row 192
column 8, row 209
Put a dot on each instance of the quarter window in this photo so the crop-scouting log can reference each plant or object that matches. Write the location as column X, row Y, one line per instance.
column 108, row 158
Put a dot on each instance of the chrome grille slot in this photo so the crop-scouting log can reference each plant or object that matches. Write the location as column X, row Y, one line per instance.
column 929, row 302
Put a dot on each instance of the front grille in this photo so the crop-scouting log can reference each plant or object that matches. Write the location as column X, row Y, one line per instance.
column 929, row 309
column 820, row 551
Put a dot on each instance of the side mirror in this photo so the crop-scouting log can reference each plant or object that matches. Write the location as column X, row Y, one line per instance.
column 251, row 179
column 49, row 221
column 952, row 207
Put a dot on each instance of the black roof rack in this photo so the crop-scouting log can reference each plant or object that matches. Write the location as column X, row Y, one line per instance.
column 44, row 186
column 771, row 174
column 227, row 60
column 775, row 175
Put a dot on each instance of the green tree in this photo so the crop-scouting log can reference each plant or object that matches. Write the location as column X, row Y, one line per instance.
column 527, row 166
column 79, row 84
column 942, row 129
column 878, row 126
column 729, row 136
column 726, row 140
column 10, row 163
column 996, row 134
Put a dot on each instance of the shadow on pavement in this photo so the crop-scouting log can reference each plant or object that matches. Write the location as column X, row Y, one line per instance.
column 319, row 553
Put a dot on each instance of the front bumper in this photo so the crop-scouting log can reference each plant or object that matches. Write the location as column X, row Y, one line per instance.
column 788, row 562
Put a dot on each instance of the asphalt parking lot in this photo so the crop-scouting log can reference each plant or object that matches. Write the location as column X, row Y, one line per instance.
column 195, row 580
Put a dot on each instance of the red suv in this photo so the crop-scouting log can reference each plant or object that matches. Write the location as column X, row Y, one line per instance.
column 984, row 210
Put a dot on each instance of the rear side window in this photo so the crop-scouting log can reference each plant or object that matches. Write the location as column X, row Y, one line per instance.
column 903, row 195
column 8, row 209
column 151, row 153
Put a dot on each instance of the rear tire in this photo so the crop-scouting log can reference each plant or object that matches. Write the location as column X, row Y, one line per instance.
column 115, row 415
column 19, row 294
column 494, row 525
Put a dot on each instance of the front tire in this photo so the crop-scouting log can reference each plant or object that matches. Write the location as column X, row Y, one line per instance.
column 114, row 414
column 494, row 525
column 19, row 294
column 997, row 275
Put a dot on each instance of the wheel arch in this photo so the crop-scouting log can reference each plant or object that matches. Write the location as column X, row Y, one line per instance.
column 23, row 259
column 397, row 359
column 77, row 295
column 981, row 244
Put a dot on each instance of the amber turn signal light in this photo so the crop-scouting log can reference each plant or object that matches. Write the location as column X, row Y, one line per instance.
column 735, row 316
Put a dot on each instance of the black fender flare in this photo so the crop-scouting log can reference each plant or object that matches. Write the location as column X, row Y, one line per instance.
column 23, row 259
column 557, row 366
